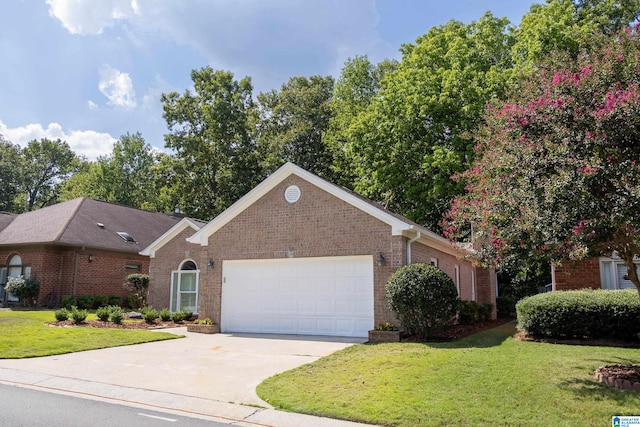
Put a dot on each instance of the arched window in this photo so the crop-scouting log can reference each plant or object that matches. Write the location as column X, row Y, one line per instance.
column 184, row 287
column 14, row 269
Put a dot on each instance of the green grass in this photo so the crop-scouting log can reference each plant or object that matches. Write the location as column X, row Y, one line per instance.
column 25, row 334
column 487, row 379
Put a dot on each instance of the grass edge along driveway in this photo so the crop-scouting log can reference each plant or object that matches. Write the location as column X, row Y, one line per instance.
column 486, row 379
column 25, row 334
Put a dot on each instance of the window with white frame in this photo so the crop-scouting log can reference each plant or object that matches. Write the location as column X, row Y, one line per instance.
column 15, row 268
column 184, row 287
column 434, row 262
column 457, row 273
column 613, row 273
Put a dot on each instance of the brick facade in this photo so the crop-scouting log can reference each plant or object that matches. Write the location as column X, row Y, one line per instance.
column 318, row 225
column 570, row 275
column 64, row 270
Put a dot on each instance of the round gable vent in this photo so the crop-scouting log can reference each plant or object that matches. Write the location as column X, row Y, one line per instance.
column 292, row 193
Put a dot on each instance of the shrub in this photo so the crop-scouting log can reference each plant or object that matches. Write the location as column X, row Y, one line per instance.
column 116, row 314
column 581, row 314
column 177, row 317
column 423, row 297
column 469, row 312
column 506, row 306
column 100, row 301
column 26, row 290
column 77, row 315
column 485, row 311
column 149, row 314
column 85, row 301
column 68, row 301
column 114, row 300
column 139, row 285
column 132, row 301
column 62, row 314
column 187, row 314
column 165, row 315
column 103, row 313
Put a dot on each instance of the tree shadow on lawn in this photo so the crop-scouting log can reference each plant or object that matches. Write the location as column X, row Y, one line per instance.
column 594, row 390
column 488, row 338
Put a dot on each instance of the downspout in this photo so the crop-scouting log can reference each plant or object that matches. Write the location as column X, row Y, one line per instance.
column 409, row 242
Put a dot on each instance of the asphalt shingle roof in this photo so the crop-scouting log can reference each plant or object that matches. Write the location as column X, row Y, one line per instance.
column 76, row 223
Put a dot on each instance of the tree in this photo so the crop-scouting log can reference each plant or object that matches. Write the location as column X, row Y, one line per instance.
column 563, row 25
column 45, row 166
column 557, row 170
column 415, row 133
column 292, row 122
column 209, row 131
column 10, row 175
column 358, row 84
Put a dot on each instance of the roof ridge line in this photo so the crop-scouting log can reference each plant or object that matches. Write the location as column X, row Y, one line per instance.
column 73, row 214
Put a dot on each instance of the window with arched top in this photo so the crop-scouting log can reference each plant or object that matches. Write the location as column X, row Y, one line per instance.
column 14, row 268
column 184, row 287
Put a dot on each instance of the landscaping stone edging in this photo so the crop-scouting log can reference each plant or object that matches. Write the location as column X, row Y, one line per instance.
column 602, row 376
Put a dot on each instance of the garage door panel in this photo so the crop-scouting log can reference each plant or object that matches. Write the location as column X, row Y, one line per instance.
column 312, row 296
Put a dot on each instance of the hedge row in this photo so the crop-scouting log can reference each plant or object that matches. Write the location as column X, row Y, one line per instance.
column 581, row 314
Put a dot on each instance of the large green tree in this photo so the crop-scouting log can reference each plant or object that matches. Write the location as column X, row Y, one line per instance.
column 10, row 175
column 415, row 133
column 209, row 132
column 292, row 122
column 557, row 174
column 46, row 164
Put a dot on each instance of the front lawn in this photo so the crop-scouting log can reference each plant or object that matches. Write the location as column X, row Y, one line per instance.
column 25, row 334
column 486, row 379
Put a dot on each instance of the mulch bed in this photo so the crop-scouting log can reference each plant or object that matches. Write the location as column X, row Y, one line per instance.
column 457, row 332
column 126, row 324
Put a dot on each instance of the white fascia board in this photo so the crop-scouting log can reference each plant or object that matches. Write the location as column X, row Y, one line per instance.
column 435, row 241
column 169, row 235
column 202, row 236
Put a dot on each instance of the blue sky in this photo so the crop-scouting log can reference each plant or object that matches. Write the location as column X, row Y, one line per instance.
column 88, row 71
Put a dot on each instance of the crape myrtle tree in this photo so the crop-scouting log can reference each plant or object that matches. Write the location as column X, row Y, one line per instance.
column 557, row 169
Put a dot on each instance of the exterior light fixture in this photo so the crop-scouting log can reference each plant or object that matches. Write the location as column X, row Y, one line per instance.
column 90, row 257
column 381, row 260
column 210, row 264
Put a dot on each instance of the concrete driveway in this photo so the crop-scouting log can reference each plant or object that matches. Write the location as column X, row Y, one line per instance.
column 219, row 367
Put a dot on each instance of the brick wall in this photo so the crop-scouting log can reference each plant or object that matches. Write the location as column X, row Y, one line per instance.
column 56, row 267
column 570, row 275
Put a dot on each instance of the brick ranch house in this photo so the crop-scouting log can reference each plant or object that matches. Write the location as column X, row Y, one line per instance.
column 82, row 246
column 299, row 255
column 596, row 273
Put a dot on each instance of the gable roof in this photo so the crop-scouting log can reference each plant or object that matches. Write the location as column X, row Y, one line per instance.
column 400, row 226
column 6, row 219
column 194, row 224
column 89, row 223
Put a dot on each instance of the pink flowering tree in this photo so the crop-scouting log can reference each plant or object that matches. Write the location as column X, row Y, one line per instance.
column 557, row 169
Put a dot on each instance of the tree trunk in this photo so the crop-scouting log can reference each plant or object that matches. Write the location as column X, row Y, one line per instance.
column 632, row 272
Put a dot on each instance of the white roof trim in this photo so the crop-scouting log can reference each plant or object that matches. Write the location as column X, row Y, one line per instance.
column 202, row 236
column 169, row 235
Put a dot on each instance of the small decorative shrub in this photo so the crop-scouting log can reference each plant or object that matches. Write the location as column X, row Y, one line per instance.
column 149, row 315
column 585, row 313
column 138, row 284
column 132, row 301
column 62, row 314
column 78, row 316
column 26, row 290
column 485, row 311
column 103, row 313
column 114, row 300
column 116, row 314
column 100, row 301
column 165, row 315
column 205, row 321
column 387, row 326
column 85, row 301
column 187, row 314
column 469, row 312
column 423, row 297
column 506, row 306
column 177, row 317
column 68, row 301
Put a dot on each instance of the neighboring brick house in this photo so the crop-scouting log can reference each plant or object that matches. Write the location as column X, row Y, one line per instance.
column 595, row 273
column 82, row 246
column 299, row 255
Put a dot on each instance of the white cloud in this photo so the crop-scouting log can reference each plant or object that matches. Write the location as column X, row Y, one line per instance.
column 91, row 17
column 92, row 105
column 117, row 87
column 88, row 143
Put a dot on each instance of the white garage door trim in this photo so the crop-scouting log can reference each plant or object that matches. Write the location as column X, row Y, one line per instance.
column 301, row 296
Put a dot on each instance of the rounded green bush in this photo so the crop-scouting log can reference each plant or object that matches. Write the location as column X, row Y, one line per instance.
column 177, row 317
column 165, row 315
column 149, row 315
column 423, row 297
column 78, row 316
column 62, row 314
column 585, row 313
column 116, row 314
column 103, row 313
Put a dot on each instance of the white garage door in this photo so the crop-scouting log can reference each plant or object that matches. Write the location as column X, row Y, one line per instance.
column 303, row 296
